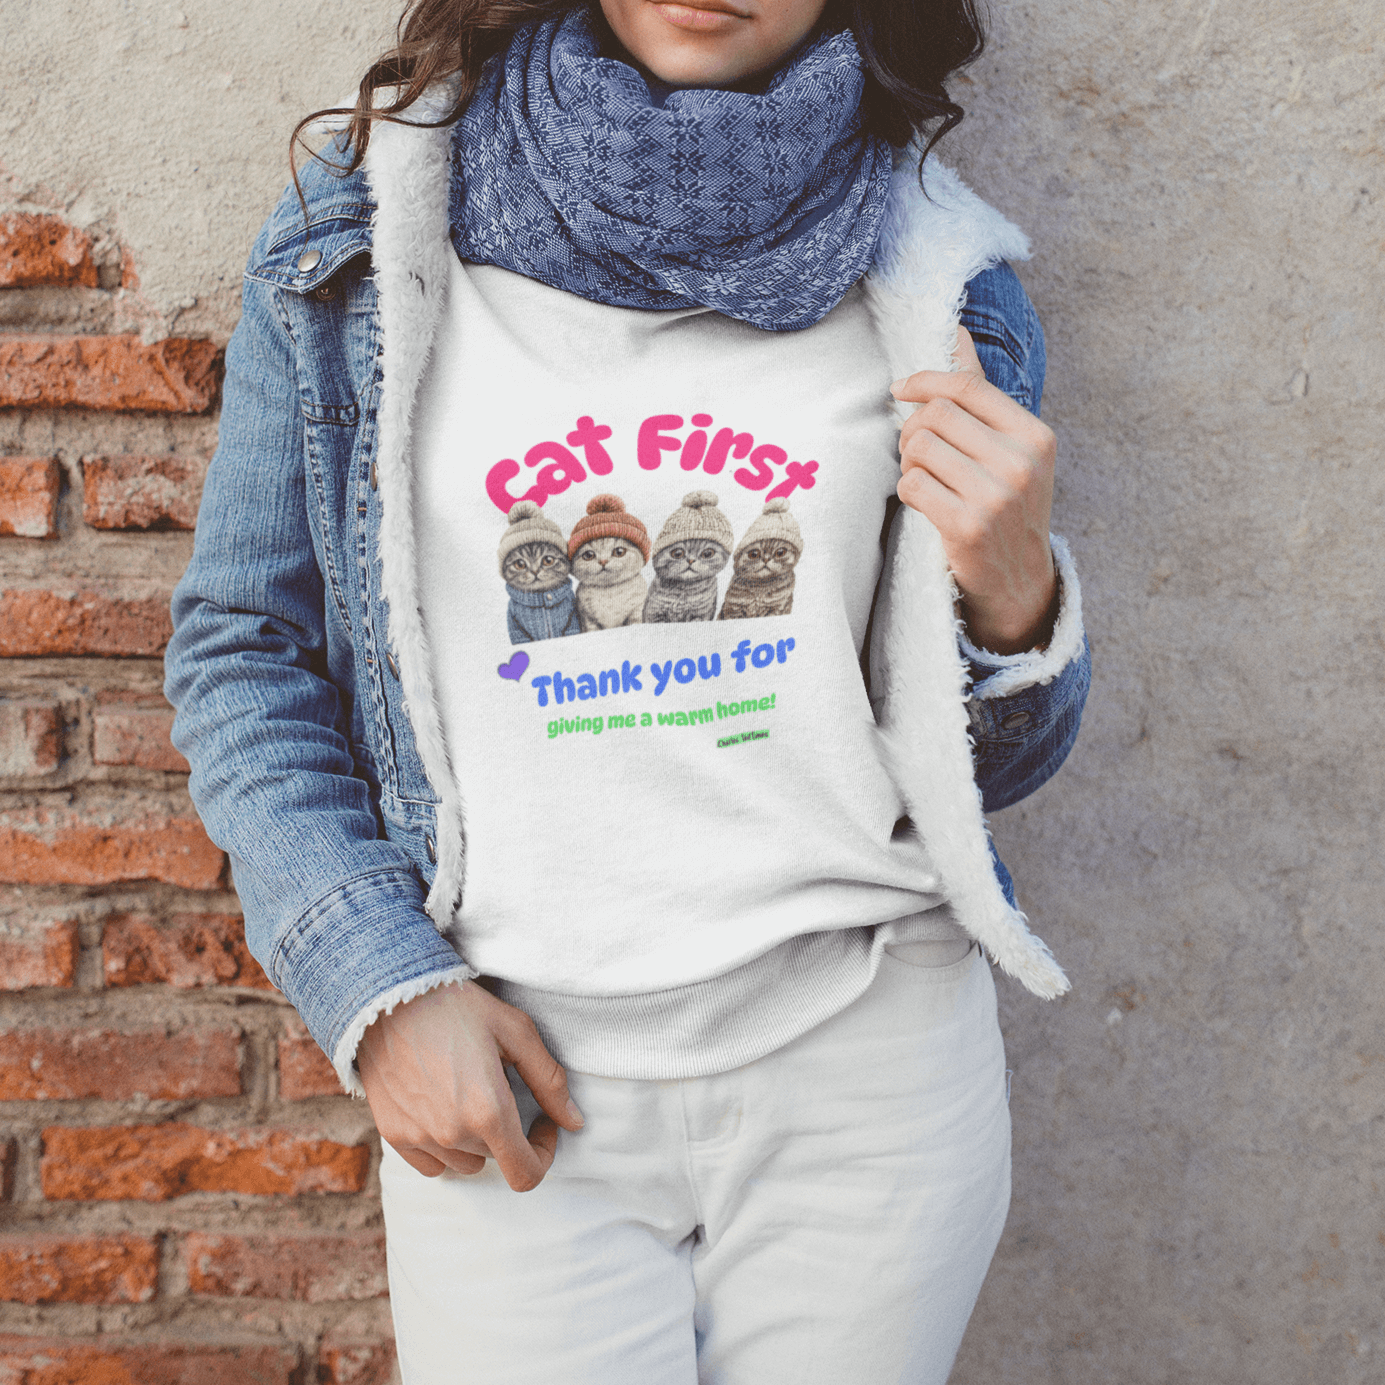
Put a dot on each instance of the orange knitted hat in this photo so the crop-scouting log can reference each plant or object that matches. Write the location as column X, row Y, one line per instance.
column 606, row 518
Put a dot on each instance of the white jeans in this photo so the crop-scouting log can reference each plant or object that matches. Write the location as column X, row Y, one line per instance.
column 822, row 1216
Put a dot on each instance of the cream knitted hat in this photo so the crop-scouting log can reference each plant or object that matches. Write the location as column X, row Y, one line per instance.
column 529, row 524
column 774, row 525
column 697, row 518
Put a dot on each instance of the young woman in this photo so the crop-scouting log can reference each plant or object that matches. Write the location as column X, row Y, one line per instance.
column 600, row 745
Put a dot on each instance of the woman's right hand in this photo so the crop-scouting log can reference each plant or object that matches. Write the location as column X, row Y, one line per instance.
column 434, row 1073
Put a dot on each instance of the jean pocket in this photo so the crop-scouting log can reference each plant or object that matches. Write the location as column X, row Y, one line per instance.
column 936, row 960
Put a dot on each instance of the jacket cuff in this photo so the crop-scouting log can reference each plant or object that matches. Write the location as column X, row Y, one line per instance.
column 344, row 1055
column 999, row 675
column 365, row 939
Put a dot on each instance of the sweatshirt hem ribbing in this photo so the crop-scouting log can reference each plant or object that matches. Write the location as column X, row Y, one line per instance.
column 726, row 1021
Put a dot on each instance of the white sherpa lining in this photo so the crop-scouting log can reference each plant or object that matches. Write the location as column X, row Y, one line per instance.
column 935, row 238
column 344, row 1059
column 931, row 244
column 408, row 170
column 923, row 725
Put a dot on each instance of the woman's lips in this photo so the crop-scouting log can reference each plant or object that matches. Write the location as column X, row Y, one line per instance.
column 698, row 18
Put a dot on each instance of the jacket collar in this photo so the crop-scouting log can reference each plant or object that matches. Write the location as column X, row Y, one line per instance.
column 304, row 245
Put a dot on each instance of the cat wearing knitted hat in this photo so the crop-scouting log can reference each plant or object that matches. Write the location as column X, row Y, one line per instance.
column 535, row 565
column 608, row 548
column 692, row 548
column 765, row 560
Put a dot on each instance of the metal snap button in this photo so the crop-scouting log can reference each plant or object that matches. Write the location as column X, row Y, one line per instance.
column 1016, row 721
column 374, row 477
column 326, row 291
column 393, row 665
column 309, row 261
column 431, row 848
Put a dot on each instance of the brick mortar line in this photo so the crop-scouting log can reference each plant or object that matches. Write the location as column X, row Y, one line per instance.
column 97, row 777
column 60, row 667
column 311, row 1336
column 217, row 1214
column 158, row 897
column 310, row 1329
column 233, row 1214
column 39, row 418
column 70, row 434
column 199, row 1321
column 172, row 788
column 127, row 1009
column 350, row 1118
column 224, row 1312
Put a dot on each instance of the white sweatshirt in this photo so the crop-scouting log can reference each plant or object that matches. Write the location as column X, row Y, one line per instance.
column 681, row 837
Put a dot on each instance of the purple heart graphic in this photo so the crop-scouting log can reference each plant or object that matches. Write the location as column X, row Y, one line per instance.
column 514, row 670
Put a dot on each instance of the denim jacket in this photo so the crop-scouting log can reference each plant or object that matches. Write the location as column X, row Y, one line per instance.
column 291, row 704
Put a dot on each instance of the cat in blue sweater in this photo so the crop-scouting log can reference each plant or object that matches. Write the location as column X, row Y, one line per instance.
column 536, row 569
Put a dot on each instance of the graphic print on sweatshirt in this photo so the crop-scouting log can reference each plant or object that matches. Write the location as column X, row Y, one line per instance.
column 606, row 554
column 601, row 548
column 648, row 546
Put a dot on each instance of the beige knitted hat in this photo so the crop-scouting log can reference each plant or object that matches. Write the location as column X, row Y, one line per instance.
column 529, row 524
column 774, row 524
column 697, row 518
column 606, row 517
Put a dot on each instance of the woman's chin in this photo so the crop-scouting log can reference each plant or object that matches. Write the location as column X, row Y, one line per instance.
column 683, row 65
column 685, row 45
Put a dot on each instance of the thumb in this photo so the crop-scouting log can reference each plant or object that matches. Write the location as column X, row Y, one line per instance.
column 543, row 1075
column 543, row 1137
column 965, row 354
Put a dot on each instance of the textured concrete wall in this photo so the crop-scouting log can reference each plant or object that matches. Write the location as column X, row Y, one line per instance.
column 1198, row 1126
column 1198, row 1161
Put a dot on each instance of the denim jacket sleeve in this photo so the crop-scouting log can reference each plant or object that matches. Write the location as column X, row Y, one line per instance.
column 1025, row 708
column 334, row 912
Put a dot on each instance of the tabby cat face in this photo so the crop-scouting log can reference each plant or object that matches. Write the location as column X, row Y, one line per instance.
column 607, row 562
column 762, row 562
column 535, row 567
column 690, row 561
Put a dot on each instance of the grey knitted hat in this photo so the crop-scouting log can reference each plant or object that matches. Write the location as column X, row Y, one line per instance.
column 697, row 518
column 775, row 524
column 529, row 524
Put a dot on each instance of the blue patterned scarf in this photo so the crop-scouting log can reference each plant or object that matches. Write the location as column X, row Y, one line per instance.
column 764, row 207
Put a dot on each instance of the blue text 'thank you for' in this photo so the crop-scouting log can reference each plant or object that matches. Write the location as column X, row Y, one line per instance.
column 628, row 678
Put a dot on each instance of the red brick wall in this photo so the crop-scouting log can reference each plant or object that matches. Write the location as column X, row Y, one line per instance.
column 184, row 1195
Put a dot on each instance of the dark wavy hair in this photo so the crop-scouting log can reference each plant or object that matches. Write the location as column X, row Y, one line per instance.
column 911, row 48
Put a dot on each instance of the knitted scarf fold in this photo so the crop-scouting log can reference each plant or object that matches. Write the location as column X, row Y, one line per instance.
column 763, row 207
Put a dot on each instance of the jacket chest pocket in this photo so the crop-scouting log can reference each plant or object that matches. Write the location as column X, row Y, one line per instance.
column 333, row 327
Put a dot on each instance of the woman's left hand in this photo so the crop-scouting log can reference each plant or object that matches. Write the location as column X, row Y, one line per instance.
column 981, row 468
